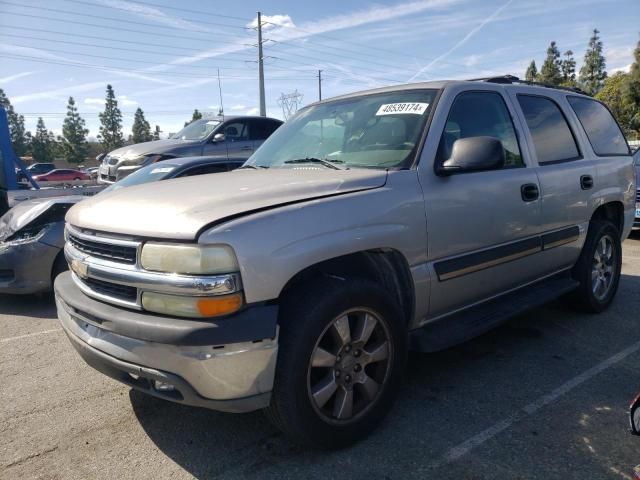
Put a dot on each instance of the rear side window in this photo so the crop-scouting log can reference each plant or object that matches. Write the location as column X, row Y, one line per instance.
column 262, row 129
column 604, row 134
column 552, row 137
column 478, row 114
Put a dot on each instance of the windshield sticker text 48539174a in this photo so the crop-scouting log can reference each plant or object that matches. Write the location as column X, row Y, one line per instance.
column 396, row 108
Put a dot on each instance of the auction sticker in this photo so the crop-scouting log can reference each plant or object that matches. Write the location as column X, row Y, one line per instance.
column 396, row 108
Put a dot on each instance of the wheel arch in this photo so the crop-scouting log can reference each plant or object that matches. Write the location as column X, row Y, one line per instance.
column 612, row 211
column 385, row 266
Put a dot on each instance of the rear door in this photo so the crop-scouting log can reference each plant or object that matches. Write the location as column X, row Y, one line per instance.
column 568, row 176
column 482, row 229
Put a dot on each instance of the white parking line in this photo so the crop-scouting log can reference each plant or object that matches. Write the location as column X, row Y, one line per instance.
column 10, row 339
column 465, row 447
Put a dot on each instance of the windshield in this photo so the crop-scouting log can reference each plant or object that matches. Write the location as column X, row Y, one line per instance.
column 150, row 173
column 197, row 130
column 637, row 158
column 370, row 131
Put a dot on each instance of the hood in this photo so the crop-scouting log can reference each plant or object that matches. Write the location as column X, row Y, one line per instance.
column 156, row 146
column 25, row 212
column 180, row 208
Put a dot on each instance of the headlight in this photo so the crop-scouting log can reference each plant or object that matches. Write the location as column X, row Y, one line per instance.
column 188, row 259
column 28, row 234
column 191, row 306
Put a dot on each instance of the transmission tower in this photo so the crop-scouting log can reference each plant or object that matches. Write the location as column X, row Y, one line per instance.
column 290, row 103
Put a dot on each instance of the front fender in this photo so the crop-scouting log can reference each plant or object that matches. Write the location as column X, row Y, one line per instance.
column 274, row 245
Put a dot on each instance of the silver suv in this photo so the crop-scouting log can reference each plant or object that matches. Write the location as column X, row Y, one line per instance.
column 413, row 216
column 231, row 136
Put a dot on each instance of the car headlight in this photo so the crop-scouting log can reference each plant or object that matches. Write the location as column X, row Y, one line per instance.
column 27, row 234
column 193, row 307
column 188, row 259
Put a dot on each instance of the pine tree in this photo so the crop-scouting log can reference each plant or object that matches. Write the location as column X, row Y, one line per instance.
column 550, row 71
column 196, row 116
column 110, row 135
column 141, row 130
column 593, row 72
column 19, row 138
column 532, row 72
column 568, row 68
column 74, row 135
column 43, row 145
column 156, row 133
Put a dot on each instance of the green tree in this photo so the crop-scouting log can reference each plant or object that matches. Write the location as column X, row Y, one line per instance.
column 43, row 145
column 632, row 90
column 550, row 71
column 593, row 71
column 613, row 95
column 532, row 72
column 141, row 129
column 196, row 116
column 74, row 135
column 156, row 133
column 19, row 137
column 568, row 70
column 110, row 135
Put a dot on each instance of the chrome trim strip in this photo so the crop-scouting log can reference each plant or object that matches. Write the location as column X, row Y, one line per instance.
column 488, row 264
column 99, row 296
column 148, row 281
column 103, row 239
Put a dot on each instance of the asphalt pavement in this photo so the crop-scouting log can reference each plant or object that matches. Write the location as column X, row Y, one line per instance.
column 544, row 396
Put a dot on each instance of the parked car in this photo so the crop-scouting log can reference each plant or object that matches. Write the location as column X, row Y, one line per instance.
column 236, row 137
column 636, row 161
column 92, row 172
column 62, row 175
column 36, row 169
column 410, row 216
column 32, row 232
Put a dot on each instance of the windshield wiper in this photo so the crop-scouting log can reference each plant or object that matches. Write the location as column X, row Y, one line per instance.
column 322, row 161
column 253, row 167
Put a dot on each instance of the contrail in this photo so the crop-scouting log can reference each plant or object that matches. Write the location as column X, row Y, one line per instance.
column 461, row 42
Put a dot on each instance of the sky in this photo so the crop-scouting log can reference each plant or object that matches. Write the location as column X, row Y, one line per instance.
column 164, row 56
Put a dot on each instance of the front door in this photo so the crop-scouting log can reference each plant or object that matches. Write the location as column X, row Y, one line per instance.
column 482, row 227
column 237, row 142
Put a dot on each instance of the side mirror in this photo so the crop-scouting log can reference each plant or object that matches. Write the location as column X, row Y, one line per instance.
column 634, row 416
column 218, row 138
column 474, row 154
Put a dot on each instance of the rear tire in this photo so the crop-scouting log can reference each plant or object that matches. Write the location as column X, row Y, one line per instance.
column 598, row 268
column 342, row 353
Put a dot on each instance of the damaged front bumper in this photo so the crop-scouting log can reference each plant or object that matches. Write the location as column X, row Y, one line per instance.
column 26, row 267
column 223, row 364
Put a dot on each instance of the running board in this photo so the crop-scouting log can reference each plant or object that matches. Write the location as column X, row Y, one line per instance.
column 474, row 321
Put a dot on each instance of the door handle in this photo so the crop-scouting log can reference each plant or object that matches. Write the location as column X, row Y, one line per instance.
column 529, row 192
column 586, row 182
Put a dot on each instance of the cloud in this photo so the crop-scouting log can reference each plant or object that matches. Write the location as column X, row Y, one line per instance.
column 11, row 78
column 53, row 93
column 154, row 14
column 272, row 21
column 93, row 101
column 236, row 108
column 461, row 42
column 126, row 101
column 252, row 111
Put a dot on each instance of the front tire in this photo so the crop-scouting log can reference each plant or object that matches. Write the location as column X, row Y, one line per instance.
column 342, row 353
column 598, row 268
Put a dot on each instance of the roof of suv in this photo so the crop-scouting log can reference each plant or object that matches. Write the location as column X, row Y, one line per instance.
column 506, row 81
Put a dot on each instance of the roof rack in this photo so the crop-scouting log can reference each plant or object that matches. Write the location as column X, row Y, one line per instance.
column 511, row 79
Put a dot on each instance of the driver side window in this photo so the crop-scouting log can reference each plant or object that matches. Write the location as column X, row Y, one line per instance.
column 236, row 131
column 480, row 114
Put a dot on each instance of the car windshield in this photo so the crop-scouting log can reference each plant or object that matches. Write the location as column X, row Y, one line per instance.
column 197, row 130
column 150, row 173
column 369, row 131
column 637, row 158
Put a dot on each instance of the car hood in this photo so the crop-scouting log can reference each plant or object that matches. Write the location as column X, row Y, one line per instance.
column 180, row 208
column 25, row 212
column 144, row 148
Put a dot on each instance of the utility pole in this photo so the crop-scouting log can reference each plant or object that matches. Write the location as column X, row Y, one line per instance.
column 319, row 84
column 263, row 109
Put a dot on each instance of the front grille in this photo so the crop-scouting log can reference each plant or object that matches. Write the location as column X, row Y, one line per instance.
column 114, row 290
column 106, row 251
column 638, row 195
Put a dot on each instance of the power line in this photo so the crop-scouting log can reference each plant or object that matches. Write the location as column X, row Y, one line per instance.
column 180, row 9
column 118, row 29
column 100, row 17
column 147, row 72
